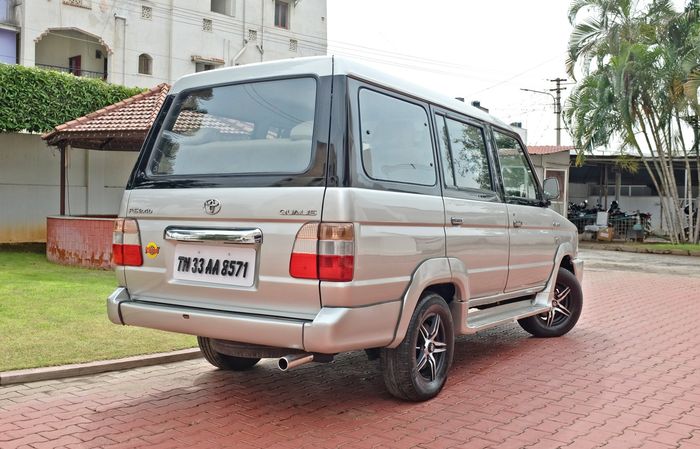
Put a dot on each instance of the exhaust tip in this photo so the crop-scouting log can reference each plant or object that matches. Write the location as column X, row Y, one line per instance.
column 291, row 361
column 283, row 364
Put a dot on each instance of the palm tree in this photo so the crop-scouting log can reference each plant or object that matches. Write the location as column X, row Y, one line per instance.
column 639, row 67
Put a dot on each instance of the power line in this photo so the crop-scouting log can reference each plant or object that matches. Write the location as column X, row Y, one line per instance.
column 281, row 42
column 558, row 90
column 313, row 40
column 310, row 42
column 559, row 82
column 314, row 43
column 517, row 75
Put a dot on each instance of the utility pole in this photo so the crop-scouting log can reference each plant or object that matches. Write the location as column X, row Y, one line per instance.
column 557, row 102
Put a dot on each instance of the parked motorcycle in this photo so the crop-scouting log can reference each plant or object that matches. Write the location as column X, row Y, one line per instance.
column 689, row 219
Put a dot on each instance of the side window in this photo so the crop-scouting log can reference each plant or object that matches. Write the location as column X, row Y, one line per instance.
column 518, row 180
column 467, row 154
column 395, row 138
column 445, row 153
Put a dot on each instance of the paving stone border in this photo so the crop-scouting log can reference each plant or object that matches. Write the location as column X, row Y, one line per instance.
column 83, row 369
column 636, row 249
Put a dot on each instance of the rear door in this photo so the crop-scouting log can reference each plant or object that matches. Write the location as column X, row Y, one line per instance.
column 533, row 241
column 221, row 191
column 476, row 219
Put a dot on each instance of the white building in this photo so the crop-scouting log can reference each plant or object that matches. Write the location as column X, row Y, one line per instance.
column 143, row 43
column 135, row 43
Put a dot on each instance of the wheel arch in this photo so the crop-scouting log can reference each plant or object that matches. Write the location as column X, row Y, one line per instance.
column 564, row 258
column 444, row 276
column 567, row 263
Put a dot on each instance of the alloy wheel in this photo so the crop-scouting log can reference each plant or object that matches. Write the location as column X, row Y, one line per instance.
column 431, row 347
column 561, row 308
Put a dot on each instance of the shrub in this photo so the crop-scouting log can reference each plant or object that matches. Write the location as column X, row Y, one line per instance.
column 37, row 100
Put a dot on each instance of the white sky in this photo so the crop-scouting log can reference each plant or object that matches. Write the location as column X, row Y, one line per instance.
column 482, row 50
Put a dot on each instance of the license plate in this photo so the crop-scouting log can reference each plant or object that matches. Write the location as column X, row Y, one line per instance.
column 215, row 264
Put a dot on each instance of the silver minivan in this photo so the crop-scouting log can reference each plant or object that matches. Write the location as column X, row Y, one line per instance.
column 299, row 209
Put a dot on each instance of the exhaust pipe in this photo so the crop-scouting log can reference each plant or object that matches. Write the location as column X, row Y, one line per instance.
column 292, row 361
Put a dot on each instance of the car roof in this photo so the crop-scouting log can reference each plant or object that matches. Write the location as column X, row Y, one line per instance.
column 326, row 66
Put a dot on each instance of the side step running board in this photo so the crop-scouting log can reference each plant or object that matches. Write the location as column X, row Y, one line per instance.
column 483, row 319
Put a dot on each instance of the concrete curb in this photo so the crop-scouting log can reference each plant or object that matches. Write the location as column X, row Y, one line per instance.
column 632, row 249
column 82, row 369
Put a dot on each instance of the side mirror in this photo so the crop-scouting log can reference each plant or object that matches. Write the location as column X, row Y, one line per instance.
column 551, row 189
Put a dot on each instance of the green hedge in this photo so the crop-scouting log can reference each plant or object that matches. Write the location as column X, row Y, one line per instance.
column 37, row 100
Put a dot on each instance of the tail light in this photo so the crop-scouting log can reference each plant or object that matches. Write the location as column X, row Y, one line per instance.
column 126, row 243
column 324, row 251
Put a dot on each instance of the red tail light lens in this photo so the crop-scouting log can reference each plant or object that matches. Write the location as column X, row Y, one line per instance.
column 336, row 268
column 324, row 251
column 126, row 243
column 304, row 266
column 304, row 261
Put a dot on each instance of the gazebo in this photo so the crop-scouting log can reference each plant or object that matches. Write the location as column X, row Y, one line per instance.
column 123, row 126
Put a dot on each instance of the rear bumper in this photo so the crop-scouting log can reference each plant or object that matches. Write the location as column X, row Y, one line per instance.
column 333, row 330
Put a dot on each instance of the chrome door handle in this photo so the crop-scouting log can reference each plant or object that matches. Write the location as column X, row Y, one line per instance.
column 556, row 224
column 517, row 224
column 456, row 221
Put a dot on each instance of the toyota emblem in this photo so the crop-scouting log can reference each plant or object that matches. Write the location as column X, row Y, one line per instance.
column 212, row 206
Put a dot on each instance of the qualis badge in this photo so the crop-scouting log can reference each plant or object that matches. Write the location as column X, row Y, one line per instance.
column 152, row 250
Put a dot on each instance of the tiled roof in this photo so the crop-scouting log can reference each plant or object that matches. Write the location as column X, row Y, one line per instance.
column 128, row 119
column 188, row 122
column 548, row 149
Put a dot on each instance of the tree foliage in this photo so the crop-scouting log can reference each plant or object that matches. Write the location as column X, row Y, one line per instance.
column 37, row 100
column 640, row 62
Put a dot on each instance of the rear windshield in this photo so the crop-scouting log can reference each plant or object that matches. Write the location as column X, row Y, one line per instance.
column 261, row 127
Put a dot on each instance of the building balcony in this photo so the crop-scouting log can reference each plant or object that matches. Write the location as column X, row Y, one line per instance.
column 77, row 71
column 72, row 51
column 7, row 13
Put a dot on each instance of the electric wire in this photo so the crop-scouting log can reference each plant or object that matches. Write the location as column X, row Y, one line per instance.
column 311, row 42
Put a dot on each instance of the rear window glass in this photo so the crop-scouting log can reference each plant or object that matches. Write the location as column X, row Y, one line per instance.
column 263, row 127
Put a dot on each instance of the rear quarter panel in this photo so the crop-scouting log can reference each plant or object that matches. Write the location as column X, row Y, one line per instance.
column 394, row 233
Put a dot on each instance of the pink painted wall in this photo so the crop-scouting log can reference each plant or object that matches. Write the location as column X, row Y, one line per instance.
column 80, row 241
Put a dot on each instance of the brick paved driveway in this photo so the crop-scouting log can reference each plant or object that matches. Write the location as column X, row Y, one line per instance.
column 627, row 376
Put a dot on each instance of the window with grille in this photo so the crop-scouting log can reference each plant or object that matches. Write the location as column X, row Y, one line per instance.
column 281, row 14
column 145, row 64
column 293, row 44
column 204, row 66
column 252, row 35
column 207, row 25
column 225, row 7
column 146, row 12
column 79, row 3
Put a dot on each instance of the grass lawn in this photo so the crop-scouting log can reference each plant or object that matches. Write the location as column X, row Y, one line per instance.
column 53, row 315
column 665, row 246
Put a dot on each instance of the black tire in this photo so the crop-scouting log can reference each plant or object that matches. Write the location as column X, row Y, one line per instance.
column 222, row 361
column 566, row 309
column 427, row 343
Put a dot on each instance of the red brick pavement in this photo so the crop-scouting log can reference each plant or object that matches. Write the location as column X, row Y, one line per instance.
column 628, row 376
